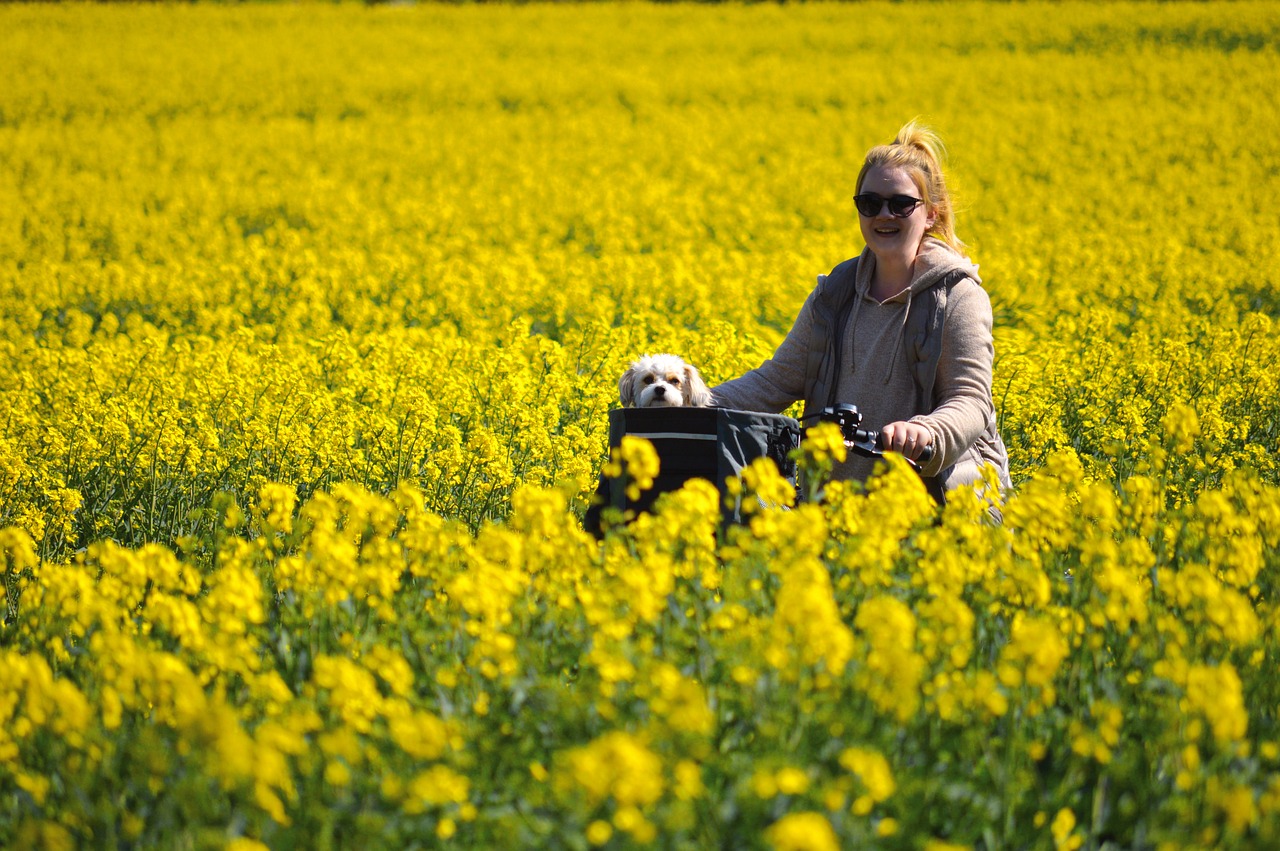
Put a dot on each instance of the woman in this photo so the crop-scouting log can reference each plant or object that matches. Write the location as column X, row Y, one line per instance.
column 903, row 331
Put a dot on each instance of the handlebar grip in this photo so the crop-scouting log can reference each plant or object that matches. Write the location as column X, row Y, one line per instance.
column 926, row 454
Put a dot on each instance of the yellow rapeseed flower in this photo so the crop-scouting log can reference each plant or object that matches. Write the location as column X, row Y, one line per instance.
column 802, row 832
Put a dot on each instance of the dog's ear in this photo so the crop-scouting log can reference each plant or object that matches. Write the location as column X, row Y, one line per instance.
column 627, row 386
column 696, row 393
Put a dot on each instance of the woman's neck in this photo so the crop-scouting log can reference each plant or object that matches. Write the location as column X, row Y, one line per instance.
column 892, row 276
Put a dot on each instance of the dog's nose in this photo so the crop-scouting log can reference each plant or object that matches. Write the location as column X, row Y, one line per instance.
column 659, row 391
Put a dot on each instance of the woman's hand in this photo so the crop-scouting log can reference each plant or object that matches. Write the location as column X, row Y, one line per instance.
column 907, row 439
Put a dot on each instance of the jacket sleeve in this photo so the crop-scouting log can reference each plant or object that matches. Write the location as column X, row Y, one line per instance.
column 777, row 383
column 962, row 389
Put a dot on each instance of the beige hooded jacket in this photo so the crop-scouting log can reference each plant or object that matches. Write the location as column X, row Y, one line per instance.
column 876, row 375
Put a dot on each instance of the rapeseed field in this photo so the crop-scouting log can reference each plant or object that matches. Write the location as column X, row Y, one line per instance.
column 310, row 321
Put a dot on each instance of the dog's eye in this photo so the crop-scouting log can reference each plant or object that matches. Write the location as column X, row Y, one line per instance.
column 648, row 379
column 674, row 379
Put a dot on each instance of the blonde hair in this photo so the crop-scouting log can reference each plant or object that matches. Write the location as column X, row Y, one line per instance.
column 919, row 151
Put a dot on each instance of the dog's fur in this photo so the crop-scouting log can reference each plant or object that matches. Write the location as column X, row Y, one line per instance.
column 663, row 381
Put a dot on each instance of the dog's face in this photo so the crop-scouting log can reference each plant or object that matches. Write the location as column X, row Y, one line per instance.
column 662, row 381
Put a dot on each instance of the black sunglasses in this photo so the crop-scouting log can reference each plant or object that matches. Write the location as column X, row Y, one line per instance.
column 900, row 206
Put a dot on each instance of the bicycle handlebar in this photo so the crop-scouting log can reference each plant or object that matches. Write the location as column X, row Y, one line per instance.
column 869, row 443
column 864, row 441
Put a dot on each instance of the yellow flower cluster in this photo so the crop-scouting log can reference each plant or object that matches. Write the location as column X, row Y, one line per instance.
column 637, row 461
column 874, row 776
column 307, row 346
column 803, row 832
column 620, row 769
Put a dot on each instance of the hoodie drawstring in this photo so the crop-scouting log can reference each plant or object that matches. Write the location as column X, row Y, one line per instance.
column 853, row 323
column 902, row 332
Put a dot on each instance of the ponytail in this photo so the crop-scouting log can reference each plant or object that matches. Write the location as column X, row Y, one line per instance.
column 920, row 152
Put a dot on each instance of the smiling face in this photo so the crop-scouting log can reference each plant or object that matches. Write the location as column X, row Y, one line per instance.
column 885, row 234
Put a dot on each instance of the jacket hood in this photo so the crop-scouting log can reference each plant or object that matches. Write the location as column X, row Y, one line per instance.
column 934, row 262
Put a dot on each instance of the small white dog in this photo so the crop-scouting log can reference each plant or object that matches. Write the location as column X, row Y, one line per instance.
column 663, row 381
